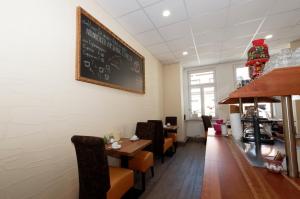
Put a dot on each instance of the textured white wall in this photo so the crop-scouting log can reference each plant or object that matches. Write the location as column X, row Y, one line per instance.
column 42, row 105
column 173, row 101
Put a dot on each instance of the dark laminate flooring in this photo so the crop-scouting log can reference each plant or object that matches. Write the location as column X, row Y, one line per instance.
column 180, row 177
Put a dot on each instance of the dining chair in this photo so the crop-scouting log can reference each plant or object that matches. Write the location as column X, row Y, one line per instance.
column 143, row 160
column 172, row 133
column 161, row 144
column 96, row 178
column 206, row 123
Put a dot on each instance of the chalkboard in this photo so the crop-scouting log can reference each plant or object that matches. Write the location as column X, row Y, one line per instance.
column 104, row 59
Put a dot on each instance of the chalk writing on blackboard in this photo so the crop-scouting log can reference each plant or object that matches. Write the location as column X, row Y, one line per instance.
column 104, row 59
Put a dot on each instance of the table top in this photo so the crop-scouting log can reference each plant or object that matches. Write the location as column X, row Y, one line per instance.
column 171, row 127
column 129, row 148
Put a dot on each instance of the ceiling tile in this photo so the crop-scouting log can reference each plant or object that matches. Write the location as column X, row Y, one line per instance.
column 159, row 48
column 175, row 6
column 199, row 7
column 165, row 56
column 241, row 30
column 248, row 10
column 281, row 20
column 191, row 54
column 208, row 48
column 175, row 31
column 183, row 44
column 286, row 5
column 209, row 36
column 136, row 22
column 214, row 20
column 148, row 2
column 117, row 8
column 237, row 43
column 149, row 38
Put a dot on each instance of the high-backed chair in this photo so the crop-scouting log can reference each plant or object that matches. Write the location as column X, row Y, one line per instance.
column 172, row 133
column 143, row 160
column 96, row 178
column 206, row 123
column 160, row 143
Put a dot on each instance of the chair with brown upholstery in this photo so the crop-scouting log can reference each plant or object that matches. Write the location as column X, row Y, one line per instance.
column 160, row 144
column 206, row 123
column 172, row 133
column 143, row 160
column 96, row 178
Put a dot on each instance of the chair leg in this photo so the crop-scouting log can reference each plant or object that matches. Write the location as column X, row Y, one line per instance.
column 152, row 171
column 175, row 146
column 143, row 181
column 162, row 158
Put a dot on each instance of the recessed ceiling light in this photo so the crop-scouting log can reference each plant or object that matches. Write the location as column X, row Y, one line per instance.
column 268, row 36
column 184, row 53
column 166, row 13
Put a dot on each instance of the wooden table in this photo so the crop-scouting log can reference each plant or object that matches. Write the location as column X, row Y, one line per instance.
column 128, row 149
column 228, row 175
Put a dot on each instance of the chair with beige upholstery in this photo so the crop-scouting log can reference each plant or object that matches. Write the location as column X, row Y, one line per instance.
column 143, row 160
column 96, row 178
column 161, row 144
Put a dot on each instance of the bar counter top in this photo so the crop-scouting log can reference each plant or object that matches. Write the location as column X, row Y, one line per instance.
column 228, row 175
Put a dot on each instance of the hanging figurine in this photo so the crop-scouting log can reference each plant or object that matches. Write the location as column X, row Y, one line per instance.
column 258, row 56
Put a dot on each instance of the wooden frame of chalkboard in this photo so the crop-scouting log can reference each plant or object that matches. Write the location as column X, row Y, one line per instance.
column 105, row 59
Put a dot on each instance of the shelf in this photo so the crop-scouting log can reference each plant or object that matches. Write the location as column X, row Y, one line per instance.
column 230, row 100
column 278, row 82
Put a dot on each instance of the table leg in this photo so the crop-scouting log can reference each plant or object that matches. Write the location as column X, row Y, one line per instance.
column 124, row 161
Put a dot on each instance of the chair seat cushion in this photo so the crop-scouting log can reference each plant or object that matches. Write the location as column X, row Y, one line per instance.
column 168, row 143
column 121, row 180
column 173, row 136
column 142, row 161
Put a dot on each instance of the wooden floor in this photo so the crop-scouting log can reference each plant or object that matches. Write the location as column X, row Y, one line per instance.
column 228, row 175
column 180, row 177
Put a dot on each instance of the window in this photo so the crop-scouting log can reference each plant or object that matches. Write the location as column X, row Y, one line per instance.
column 242, row 73
column 201, row 93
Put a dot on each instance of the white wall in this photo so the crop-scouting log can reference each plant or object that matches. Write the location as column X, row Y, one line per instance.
column 173, row 97
column 225, row 83
column 42, row 105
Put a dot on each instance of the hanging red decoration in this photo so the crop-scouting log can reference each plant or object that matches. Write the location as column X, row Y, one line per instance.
column 258, row 55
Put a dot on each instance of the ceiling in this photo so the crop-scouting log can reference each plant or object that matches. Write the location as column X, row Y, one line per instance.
column 211, row 31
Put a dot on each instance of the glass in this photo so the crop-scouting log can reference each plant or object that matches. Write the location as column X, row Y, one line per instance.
column 242, row 73
column 209, row 101
column 296, row 57
column 285, row 58
column 196, row 102
column 202, row 78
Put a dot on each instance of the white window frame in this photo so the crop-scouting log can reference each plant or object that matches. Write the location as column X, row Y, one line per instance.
column 201, row 86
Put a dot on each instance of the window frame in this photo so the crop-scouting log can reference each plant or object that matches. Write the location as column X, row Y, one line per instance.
column 201, row 86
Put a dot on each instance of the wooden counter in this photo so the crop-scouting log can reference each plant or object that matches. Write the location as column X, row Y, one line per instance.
column 228, row 175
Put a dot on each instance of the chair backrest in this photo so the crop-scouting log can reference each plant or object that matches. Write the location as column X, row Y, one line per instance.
column 92, row 167
column 206, row 122
column 172, row 120
column 143, row 131
column 157, row 130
